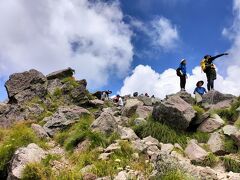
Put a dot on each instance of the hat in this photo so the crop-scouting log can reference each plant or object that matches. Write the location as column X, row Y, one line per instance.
column 183, row 60
column 202, row 82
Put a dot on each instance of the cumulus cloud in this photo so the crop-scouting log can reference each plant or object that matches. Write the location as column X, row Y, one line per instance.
column 161, row 32
column 145, row 79
column 49, row 35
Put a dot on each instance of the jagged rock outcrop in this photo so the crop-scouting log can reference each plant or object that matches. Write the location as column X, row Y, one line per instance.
column 175, row 112
column 24, row 86
column 61, row 74
column 185, row 96
column 65, row 116
column 214, row 97
column 23, row 156
column 106, row 123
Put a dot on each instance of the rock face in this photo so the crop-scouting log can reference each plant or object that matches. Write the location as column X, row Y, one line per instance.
column 195, row 152
column 23, row 156
column 144, row 111
column 211, row 124
column 61, row 74
column 127, row 133
column 39, row 131
column 229, row 130
column 65, row 116
column 216, row 143
column 131, row 106
column 214, row 97
column 24, row 86
column 185, row 96
column 106, row 123
column 181, row 114
column 147, row 101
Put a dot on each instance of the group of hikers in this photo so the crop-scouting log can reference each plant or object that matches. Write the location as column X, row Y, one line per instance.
column 207, row 67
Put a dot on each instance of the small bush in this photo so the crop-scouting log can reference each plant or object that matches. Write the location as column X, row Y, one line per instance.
column 231, row 164
column 57, row 93
column 229, row 145
column 200, row 111
column 71, row 81
column 36, row 171
column 174, row 175
column 211, row 160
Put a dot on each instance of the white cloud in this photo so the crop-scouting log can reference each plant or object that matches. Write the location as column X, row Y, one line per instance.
column 145, row 79
column 165, row 34
column 161, row 32
column 38, row 34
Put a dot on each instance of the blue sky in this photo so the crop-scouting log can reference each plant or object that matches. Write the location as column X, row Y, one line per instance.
column 145, row 36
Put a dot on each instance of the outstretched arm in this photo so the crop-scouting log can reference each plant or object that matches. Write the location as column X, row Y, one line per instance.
column 215, row 57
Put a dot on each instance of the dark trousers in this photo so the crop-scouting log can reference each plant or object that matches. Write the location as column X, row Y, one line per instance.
column 210, row 82
column 182, row 82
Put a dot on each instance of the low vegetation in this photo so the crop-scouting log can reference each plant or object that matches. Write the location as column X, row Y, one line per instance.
column 229, row 145
column 232, row 164
column 166, row 134
column 174, row 175
column 211, row 160
column 11, row 139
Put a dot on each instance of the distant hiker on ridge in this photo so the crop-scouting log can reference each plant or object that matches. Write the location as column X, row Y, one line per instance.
column 209, row 68
column 199, row 91
column 182, row 73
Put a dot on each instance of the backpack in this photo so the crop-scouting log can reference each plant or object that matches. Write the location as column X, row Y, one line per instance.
column 203, row 64
column 178, row 72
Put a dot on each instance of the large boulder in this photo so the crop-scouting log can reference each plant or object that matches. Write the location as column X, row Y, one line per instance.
column 194, row 152
column 39, row 131
column 229, row 130
column 61, row 74
column 64, row 117
column 175, row 112
column 147, row 101
column 30, row 154
column 130, row 107
column 127, row 133
column 144, row 111
column 106, row 123
column 211, row 124
column 79, row 94
column 216, row 143
column 185, row 96
column 24, row 86
column 214, row 97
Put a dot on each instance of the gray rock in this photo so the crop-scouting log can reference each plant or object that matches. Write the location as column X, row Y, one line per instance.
column 79, row 94
column 229, row 130
column 53, row 85
column 3, row 108
column 167, row 148
column 106, row 123
column 195, row 152
column 144, row 111
column 211, row 124
column 139, row 145
column 39, row 131
column 127, row 133
column 147, row 101
column 23, row 156
column 112, row 147
column 24, row 86
column 96, row 102
column 130, row 107
column 64, row 117
column 214, row 97
column 150, row 141
column 104, row 156
column 175, row 112
column 185, row 96
column 61, row 74
column 216, row 143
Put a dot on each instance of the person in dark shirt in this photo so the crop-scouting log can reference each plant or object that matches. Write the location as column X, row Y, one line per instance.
column 211, row 70
column 183, row 74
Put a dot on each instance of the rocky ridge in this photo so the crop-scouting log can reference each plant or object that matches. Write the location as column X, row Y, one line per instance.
column 87, row 138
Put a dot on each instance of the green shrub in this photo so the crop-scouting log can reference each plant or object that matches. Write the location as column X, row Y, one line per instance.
column 229, row 145
column 18, row 136
column 36, row 171
column 231, row 164
column 174, row 175
column 57, row 92
column 211, row 160
column 167, row 134
column 71, row 81
column 200, row 111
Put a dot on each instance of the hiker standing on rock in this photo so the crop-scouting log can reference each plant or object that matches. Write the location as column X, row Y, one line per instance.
column 209, row 68
column 182, row 73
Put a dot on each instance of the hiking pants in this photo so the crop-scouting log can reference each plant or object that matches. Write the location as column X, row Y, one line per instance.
column 182, row 82
column 210, row 82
